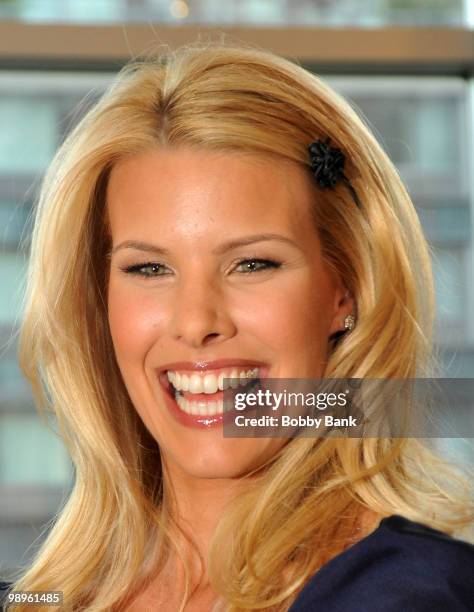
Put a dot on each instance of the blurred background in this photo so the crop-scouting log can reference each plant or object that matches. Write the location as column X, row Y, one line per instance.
column 406, row 65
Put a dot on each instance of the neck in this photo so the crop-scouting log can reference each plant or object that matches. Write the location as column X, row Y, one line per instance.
column 197, row 504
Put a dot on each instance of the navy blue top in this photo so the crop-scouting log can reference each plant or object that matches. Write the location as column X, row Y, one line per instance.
column 402, row 566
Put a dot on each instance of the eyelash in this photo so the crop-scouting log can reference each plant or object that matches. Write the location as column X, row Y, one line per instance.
column 137, row 269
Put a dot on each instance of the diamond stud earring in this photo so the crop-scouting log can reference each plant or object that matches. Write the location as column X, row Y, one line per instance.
column 349, row 322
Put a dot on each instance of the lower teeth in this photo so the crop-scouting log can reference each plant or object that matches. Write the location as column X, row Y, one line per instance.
column 211, row 407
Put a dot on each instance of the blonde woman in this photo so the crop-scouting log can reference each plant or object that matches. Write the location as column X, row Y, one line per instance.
column 223, row 212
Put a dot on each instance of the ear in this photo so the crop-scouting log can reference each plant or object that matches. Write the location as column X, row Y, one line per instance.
column 344, row 305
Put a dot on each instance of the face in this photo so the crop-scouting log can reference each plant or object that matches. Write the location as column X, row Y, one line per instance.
column 216, row 269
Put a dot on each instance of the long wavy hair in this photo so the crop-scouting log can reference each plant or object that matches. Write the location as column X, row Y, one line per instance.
column 114, row 532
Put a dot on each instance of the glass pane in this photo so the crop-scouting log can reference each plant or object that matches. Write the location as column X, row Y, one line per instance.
column 365, row 13
column 30, row 453
column 421, row 123
column 28, row 134
column 14, row 390
column 450, row 275
column 447, row 223
column 18, row 546
column 13, row 223
column 407, row 126
column 12, row 274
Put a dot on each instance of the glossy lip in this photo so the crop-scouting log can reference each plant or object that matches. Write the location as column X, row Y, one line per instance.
column 199, row 421
column 205, row 365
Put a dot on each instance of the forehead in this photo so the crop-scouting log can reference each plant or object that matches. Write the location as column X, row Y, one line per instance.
column 202, row 187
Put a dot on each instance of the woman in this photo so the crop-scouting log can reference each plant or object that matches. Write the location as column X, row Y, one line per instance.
column 223, row 213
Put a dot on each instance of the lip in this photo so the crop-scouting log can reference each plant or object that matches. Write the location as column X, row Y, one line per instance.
column 197, row 421
column 204, row 365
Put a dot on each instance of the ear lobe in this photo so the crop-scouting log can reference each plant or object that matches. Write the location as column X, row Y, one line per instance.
column 343, row 305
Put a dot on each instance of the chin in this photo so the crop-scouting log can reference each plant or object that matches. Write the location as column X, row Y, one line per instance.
column 222, row 469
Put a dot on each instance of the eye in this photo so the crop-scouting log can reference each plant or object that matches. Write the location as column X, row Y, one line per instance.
column 257, row 265
column 146, row 270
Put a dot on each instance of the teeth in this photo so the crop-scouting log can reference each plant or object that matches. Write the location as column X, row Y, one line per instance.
column 195, row 384
column 220, row 382
column 211, row 408
column 211, row 383
column 234, row 383
column 184, row 382
column 203, row 408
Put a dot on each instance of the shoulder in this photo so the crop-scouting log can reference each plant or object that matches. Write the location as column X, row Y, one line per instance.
column 4, row 587
column 402, row 565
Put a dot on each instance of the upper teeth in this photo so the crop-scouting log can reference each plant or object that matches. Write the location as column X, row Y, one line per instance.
column 210, row 383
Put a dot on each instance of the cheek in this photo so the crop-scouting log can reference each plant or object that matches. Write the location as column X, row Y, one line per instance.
column 293, row 313
column 134, row 323
column 134, row 329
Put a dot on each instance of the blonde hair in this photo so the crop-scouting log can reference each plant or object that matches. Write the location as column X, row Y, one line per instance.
column 305, row 507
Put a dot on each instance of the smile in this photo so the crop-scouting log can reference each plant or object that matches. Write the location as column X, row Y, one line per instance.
column 196, row 399
column 202, row 394
column 210, row 383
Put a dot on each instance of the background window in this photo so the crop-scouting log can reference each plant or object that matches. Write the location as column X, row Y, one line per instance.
column 422, row 123
column 365, row 13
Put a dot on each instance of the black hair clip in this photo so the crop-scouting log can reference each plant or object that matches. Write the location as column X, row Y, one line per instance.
column 327, row 166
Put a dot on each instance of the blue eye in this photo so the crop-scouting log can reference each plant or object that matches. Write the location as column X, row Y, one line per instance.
column 153, row 269
column 147, row 270
column 258, row 265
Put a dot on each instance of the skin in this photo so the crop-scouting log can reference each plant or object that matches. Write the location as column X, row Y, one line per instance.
column 205, row 306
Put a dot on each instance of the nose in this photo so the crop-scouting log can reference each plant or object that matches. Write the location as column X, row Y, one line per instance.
column 200, row 313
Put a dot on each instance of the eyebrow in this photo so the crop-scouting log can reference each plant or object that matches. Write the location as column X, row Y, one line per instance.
column 219, row 250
